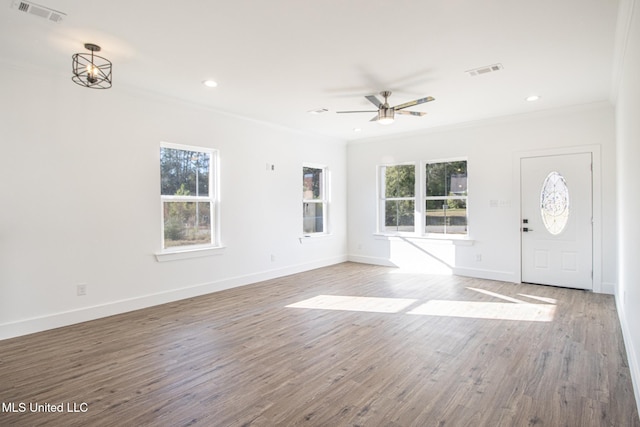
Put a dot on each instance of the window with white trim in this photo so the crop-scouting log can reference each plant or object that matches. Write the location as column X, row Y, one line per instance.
column 188, row 197
column 445, row 207
column 315, row 200
column 397, row 198
column 427, row 201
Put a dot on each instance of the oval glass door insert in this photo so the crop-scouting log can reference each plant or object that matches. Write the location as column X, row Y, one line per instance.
column 554, row 203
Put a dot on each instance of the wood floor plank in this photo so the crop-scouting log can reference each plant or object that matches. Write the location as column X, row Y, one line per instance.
column 453, row 352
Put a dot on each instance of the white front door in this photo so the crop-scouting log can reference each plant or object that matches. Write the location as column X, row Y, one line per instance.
column 556, row 224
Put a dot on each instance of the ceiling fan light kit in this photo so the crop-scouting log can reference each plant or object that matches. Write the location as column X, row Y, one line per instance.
column 386, row 114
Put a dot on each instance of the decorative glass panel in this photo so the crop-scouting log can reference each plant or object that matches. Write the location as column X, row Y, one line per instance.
column 554, row 203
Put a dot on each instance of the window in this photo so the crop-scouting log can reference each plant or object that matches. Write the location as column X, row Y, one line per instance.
column 188, row 196
column 314, row 199
column 446, row 197
column 433, row 203
column 397, row 196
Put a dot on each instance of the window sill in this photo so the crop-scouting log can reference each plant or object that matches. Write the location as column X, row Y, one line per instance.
column 311, row 237
column 189, row 253
column 454, row 240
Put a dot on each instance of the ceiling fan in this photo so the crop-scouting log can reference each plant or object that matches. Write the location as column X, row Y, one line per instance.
column 386, row 114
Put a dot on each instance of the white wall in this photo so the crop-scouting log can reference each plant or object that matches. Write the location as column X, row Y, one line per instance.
column 493, row 149
column 628, row 152
column 80, row 201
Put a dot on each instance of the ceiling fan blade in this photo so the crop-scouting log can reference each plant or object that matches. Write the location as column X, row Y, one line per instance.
column 375, row 118
column 375, row 101
column 411, row 113
column 363, row 111
column 412, row 103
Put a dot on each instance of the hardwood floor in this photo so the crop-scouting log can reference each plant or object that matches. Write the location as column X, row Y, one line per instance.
column 296, row 351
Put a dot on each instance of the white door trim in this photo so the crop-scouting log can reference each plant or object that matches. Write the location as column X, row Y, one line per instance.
column 596, row 200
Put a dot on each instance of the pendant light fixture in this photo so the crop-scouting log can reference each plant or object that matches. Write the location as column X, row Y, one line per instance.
column 91, row 70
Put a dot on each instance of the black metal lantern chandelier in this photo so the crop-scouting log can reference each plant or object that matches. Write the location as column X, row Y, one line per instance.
column 91, row 70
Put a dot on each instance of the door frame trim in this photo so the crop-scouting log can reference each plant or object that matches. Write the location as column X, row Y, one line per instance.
column 596, row 200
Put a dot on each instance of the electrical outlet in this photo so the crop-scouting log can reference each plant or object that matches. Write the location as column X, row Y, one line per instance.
column 478, row 257
column 273, row 258
column 81, row 289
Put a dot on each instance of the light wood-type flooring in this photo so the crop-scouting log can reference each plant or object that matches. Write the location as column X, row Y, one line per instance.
column 346, row 345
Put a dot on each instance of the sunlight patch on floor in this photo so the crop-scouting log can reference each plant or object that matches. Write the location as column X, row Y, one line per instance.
column 487, row 310
column 352, row 303
column 497, row 295
column 514, row 309
column 543, row 299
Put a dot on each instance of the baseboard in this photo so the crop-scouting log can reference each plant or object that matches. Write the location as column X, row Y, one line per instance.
column 608, row 288
column 632, row 354
column 66, row 318
column 371, row 260
column 502, row 276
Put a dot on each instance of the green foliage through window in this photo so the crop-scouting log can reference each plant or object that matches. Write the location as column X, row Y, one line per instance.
column 400, row 181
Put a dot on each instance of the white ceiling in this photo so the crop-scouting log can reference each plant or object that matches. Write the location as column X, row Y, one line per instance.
column 276, row 60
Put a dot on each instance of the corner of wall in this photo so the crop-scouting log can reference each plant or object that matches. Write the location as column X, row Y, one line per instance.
column 632, row 354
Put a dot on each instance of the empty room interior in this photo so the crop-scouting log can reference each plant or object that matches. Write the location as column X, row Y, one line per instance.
column 341, row 213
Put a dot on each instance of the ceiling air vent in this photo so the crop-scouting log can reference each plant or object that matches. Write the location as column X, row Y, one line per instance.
column 484, row 70
column 39, row 10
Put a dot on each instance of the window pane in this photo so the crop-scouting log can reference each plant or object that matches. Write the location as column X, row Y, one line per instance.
column 447, row 179
column 399, row 215
column 399, row 181
column 312, row 184
column 187, row 223
column 446, row 216
column 312, row 218
column 184, row 172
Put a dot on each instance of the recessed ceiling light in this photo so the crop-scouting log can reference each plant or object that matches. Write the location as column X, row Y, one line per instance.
column 357, row 130
column 532, row 98
column 210, row 83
